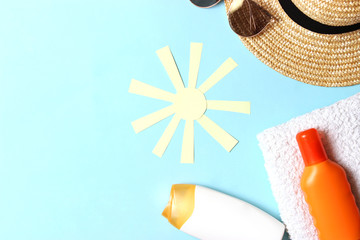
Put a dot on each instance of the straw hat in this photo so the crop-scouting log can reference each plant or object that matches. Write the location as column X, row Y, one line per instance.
column 330, row 59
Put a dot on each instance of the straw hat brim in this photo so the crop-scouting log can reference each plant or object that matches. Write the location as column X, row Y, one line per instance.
column 330, row 60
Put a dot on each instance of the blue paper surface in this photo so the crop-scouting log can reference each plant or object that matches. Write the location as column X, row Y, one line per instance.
column 71, row 166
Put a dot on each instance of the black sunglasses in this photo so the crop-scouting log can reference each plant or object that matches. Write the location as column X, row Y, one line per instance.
column 246, row 17
column 205, row 3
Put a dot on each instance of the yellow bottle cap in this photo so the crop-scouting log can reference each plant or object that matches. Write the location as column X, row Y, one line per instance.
column 181, row 204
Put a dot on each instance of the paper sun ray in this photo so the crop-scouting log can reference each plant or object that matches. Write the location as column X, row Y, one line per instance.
column 189, row 104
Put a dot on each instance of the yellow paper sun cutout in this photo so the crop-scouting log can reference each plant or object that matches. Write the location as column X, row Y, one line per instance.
column 189, row 104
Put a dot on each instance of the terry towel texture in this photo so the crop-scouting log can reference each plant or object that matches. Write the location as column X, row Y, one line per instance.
column 339, row 128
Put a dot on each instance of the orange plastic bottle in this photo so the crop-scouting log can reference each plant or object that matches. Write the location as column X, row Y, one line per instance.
column 327, row 191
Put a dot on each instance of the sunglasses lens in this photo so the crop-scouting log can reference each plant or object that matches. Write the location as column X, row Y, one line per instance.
column 205, row 3
column 247, row 18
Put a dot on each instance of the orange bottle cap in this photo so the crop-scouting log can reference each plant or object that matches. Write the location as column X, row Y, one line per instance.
column 311, row 147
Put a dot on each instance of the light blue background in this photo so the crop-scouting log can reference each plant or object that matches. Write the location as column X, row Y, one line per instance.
column 71, row 166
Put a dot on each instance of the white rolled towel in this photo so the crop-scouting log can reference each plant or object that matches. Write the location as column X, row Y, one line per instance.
column 339, row 128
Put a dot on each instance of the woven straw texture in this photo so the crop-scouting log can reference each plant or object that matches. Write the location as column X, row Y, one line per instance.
column 313, row 58
column 334, row 12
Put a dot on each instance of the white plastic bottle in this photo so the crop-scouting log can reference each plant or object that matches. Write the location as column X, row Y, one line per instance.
column 211, row 215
